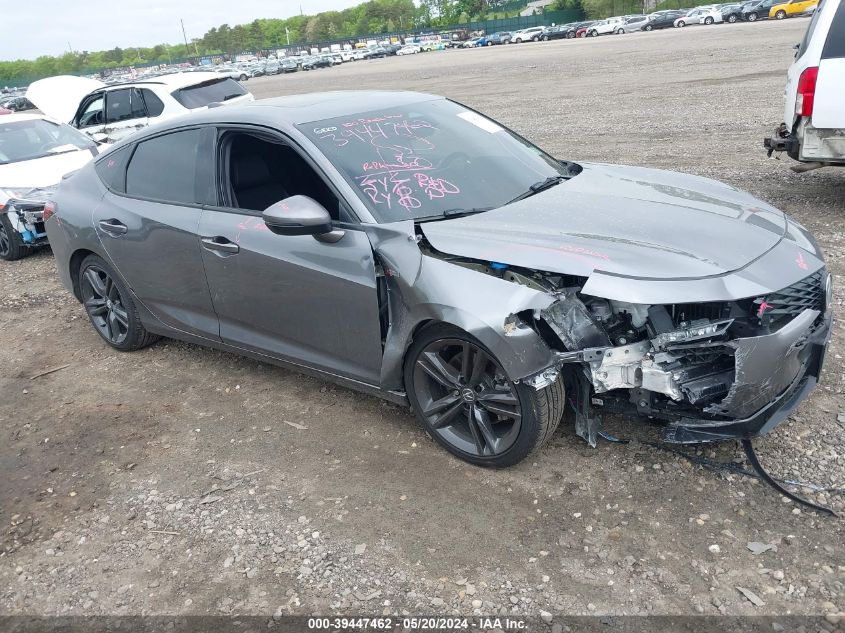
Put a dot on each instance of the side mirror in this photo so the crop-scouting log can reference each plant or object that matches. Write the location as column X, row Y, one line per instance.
column 297, row 215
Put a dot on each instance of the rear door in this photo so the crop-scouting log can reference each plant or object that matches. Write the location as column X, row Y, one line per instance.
column 148, row 222
column 829, row 105
column 125, row 113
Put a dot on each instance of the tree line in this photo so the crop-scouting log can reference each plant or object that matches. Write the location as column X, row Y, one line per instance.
column 371, row 17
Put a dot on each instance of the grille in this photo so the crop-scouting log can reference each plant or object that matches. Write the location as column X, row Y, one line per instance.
column 807, row 294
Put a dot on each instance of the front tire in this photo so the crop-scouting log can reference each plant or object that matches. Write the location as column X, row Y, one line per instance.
column 12, row 246
column 780, row 15
column 681, row 24
column 752, row 17
column 110, row 307
column 648, row 27
column 460, row 393
column 732, row 19
column 708, row 21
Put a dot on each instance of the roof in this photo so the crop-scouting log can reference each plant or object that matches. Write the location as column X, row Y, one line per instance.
column 173, row 81
column 315, row 106
column 286, row 112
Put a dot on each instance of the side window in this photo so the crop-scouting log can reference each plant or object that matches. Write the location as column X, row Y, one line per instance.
column 811, row 28
column 834, row 47
column 154, row 105
column 263, row 171
column 164, row 168
column 92, row 112
column 125, row 104
column 112, row 169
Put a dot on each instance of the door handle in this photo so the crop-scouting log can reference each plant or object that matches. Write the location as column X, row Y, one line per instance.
column 113, row 227
column 220, row 245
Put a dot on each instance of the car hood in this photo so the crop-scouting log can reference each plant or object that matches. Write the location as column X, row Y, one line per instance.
column 42, row 172
column 59, row 97
column 627, row 221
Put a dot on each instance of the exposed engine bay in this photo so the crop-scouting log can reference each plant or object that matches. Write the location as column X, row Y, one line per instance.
column 701, row 367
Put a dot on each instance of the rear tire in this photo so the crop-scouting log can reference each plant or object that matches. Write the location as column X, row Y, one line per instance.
column 681, row 24
column 708, row 21
column 481, row 417
column 12, row 246
column 752, row 17
column 780, row 15
column 648, row 27
column 110, row 307
column 732, row 19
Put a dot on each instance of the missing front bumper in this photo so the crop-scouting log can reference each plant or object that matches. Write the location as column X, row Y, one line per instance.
column 768, row 377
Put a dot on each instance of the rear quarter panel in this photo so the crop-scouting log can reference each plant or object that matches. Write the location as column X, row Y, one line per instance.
column 70, row 229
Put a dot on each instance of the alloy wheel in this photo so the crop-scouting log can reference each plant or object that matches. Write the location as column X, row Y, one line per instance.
column 5, row 241
column 104, row 305
column 466, row 399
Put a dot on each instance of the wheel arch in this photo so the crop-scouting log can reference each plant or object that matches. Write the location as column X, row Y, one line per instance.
column 74, row 265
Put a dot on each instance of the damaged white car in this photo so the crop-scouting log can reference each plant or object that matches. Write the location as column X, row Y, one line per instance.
column 111, row 113
column 408, row 246
column 35, row 152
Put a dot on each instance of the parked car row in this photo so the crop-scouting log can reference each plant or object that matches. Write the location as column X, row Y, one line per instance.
column 664, row 19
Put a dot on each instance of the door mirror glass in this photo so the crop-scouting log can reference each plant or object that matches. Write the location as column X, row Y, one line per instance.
column 297, row 215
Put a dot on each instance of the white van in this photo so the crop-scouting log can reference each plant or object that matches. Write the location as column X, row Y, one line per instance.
column 813, row 131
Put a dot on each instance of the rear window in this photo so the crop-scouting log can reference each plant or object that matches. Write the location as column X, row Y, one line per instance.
column 835, row 45
column 214, row 91
column 112, row 169
column 154, row 105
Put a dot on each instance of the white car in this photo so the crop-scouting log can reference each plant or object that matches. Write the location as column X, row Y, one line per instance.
column 35, row 153
column 410, row 49
column 531, row 34
column 813, row 131
column 110, row 113
column 700, row 15
column 632, row 24
column 605, row 27
column 237, row 74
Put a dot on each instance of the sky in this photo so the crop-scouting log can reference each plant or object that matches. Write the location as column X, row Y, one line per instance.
column 47, row 27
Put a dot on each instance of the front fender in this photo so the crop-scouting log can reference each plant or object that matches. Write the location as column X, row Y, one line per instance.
column 423, row 288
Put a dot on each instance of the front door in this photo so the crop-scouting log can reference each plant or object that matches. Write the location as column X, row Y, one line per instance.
column 291, row 297
column 150, row 231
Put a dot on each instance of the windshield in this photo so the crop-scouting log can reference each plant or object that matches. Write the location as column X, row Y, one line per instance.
column 426, row 159
column 37, row 138
column 214, row 91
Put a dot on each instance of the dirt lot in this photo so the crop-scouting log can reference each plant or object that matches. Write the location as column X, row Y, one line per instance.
column 330, row 501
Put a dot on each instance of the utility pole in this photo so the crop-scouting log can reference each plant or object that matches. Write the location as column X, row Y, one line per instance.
column 187, row 49
column 287, row 34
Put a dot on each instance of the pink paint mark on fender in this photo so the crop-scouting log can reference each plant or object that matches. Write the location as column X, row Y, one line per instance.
column 800, row 261
column 762, row 309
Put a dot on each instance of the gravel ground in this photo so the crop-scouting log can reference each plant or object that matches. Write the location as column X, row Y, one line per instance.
column 180, row 480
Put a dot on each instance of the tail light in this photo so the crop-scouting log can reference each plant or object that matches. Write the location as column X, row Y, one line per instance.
column 50, row 209
column 806, row 91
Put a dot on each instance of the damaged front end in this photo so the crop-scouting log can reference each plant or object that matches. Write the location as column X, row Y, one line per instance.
column 706, row 371
column 25, row 212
